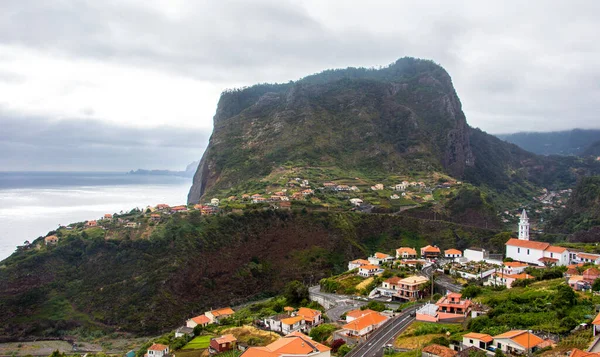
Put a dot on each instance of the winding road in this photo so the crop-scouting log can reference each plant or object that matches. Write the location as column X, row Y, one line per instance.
column 442, row 280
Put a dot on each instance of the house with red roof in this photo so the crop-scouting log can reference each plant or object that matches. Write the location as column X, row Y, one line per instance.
column 369, row 270
column 358, row 329
column 157, row 350
column 222, row 343
column 406, row 253
column 380, row 258
column 576, row 352
column 503, row 279
column 293, row 345
column 478, row 340
column 591, row 274
column 452, row 253
column 538, row 253
column 430, row 252
column 215, row 316
column 596, row 325
column 355, row 264
column 517, row 342
column 311, row 317
column 588, row 258
column 201, row 320
column 51, row 240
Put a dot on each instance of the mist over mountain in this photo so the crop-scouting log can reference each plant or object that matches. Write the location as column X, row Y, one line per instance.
column 568, row 142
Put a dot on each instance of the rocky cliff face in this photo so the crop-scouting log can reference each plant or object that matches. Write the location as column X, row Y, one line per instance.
column 403, row 118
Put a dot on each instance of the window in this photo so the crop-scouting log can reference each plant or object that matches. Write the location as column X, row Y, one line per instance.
column 527, row 251
column 551, row 255
column 518, row 250
column 499, row 345
column 471, row 341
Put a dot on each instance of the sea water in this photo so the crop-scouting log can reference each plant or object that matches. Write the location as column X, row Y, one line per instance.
column 34, row 203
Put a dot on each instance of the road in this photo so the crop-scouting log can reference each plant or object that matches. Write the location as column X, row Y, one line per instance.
column 442, row 280
column 384, row 335
column 340, row 304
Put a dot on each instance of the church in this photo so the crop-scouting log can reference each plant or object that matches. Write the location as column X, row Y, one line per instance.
column 532, row 252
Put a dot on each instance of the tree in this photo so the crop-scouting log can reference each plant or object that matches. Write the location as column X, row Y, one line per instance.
column 336, row 344
column 499, row 353
column 322, row 332
column 343, row 350
column 565, row 296
column 471, row 291
column 596, row 285
column 373, row 305
column 295, row 292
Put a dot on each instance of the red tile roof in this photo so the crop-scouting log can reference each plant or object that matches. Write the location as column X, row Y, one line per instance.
column 515, row 264
column 479, row 336
column 452, row 251
column 555, row 249
column 527, row 244
column 201, row 320
column 158, row 347
column 372, row 318
column 525, row 339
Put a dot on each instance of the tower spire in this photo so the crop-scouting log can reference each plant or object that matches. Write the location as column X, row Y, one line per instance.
column 524, row 226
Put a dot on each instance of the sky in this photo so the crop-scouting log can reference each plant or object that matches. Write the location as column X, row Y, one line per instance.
column 125, row 84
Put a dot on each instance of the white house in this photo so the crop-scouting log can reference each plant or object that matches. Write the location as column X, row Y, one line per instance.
column 201, row 320
column 214, row 202
column 365, row 324
column 355, row 264
column 526, row 251
column 406, row 253
column 292, row 324
column 517, row 342
column 588, row 258
column 452, row 253
column 356, row 201
column 478, row 340
column 369, row 270
column 380, row 258
column 503, row 279
column 401, row 186
column 157, row 350
column 475, row 254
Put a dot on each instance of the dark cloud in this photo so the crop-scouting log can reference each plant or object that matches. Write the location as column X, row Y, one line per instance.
column 39, row 145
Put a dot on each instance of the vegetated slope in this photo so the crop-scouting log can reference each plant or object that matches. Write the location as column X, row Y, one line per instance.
column 193, row 263
column 568, row 142
column 582, row 211
column 592, row 150
column 400, row 120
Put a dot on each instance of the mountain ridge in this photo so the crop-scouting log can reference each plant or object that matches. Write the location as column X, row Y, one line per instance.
column 402, row 119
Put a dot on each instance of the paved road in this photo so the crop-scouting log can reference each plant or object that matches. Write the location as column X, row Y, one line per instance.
column 340, row 303
column 384, row 335
column 442, row 280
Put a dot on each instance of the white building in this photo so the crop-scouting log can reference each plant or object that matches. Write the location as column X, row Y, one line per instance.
column 517, row 342
column 214, row 202
column 524, row 226
column 157, row 350
column 475, row 254
column 355, row 264
column 356, row 201
column 369, row 270
column 538, row 253
column 380, row 258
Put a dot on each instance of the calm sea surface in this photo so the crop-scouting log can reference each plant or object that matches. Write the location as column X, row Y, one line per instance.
column 33, row 203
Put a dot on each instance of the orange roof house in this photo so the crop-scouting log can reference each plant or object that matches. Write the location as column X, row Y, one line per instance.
column 452, row 253
column 223, row 343
column 579, row 353
column 435, row 350
column 365, row 324
column 294, row 344
column 201, row 320
column 596, row 325
column 107, row 216
column 311, row 317
column 405, row 252
column 354, row 314
column 218, row 314
column 157, row 350
column 591, row 274
column 522, row 341
column 479, row 336
column 51, row 240
column 430, row 251
column 515, row 264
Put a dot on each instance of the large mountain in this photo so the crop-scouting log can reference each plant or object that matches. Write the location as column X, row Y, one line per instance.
column 401, row 119
column 568, row 142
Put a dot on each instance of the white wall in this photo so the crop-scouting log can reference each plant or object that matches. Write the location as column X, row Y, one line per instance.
column 473, row 255
column 528, row 255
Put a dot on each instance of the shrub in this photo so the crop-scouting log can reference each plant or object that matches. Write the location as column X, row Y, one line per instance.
column 322, row 332
column 336, row 344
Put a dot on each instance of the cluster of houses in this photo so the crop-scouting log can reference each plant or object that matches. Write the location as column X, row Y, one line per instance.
column 291, row 320
column 449, row 308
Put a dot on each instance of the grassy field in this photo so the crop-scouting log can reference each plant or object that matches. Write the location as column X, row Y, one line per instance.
column 419, row 334
column 198, row 343
column 251, row 335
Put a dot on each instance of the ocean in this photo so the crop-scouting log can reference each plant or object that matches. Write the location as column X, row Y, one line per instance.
column 34, row 203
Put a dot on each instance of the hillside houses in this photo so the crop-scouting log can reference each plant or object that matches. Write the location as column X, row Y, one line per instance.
column 403, row 289
column 360, row 324
column 302, row 320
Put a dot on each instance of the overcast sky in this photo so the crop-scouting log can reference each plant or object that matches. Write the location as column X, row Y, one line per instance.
column 140, row 80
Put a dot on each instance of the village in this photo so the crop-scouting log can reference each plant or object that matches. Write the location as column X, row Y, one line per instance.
column 395, row 294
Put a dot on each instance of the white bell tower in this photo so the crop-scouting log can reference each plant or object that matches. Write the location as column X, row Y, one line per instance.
column 524, row 226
